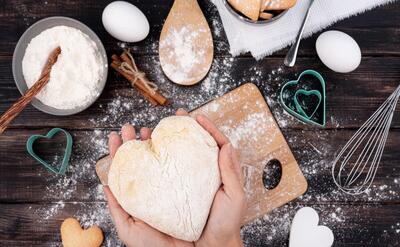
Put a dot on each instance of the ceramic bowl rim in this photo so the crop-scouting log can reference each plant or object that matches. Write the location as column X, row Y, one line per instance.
column 35, row 30
column 249, row 21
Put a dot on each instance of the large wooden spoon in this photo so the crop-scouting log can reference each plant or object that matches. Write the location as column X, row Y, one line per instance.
column 186, row 44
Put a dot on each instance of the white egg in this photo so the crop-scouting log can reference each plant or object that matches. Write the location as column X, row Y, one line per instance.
column 338, row 51
column 125, row 22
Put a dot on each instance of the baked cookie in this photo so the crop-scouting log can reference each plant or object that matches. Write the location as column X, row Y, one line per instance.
column 249, row 8
column 72, row 235
column 277, row 4
column 266, row 15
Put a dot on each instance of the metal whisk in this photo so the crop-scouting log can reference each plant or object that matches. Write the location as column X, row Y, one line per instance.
column 355, row 167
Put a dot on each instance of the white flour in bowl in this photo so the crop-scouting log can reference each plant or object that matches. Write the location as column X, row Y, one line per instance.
column 75, row 78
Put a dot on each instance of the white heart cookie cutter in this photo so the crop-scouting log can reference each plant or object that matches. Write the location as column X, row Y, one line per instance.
column 305, row 231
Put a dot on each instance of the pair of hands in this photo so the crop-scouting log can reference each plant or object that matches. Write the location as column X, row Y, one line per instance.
column 223, row 225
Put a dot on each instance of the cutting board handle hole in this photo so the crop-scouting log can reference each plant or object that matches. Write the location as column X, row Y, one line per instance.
column 272, row 174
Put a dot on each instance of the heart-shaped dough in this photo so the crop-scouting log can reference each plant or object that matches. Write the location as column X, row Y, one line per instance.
column 72, row 235
column 169, row 181
column 305, row 231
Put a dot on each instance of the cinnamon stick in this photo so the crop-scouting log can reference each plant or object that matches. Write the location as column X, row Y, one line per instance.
column 18, row 106
column 131, row 79
column 144, row 93
column 125, row 58
column 153, row 96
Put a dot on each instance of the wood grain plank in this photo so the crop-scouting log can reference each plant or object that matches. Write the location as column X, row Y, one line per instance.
column 376, row 35
column 23, row 224
column 351, row 98
column 22, row 179
column 28, row 192
column 367, row 225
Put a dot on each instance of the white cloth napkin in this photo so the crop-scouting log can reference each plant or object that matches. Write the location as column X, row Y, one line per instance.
column 261, row 41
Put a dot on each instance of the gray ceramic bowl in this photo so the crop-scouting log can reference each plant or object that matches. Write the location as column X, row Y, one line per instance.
column 244, row 19
column 32, row 32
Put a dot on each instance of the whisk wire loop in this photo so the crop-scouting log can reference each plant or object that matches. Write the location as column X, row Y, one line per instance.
column 356, row 165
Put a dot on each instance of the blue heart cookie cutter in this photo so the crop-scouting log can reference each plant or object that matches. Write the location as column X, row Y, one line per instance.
column 67, row 153
column 298, row 110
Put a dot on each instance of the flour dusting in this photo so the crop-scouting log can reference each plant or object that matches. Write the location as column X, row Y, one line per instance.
column 185, row 53
column 79, row 194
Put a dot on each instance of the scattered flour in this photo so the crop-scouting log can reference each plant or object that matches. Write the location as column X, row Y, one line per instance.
column 311, row 147
column 185, row 54
column 314, row 155
column 248, row 129
column 128, row 106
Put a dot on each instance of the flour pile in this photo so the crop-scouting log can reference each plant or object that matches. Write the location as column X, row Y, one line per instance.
column 75, row 78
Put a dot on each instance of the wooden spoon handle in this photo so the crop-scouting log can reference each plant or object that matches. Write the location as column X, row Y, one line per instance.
column 18, row 106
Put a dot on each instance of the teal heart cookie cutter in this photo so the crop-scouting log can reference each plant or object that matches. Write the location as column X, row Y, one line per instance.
column 298, row 110
column 299, row 107
column 67, row 153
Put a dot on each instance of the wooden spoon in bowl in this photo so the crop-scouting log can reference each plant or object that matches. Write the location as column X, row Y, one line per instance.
column 18, row 106
column 186, row 45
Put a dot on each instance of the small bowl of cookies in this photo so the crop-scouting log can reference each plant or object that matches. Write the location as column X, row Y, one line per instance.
column 258, row 12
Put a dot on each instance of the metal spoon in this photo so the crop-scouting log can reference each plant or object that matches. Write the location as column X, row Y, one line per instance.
column 290, row 58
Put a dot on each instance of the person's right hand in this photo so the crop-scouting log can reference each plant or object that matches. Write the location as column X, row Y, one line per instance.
column 229, row 206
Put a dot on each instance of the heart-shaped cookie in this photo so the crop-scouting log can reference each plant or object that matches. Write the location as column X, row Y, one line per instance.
column 61, row 169
column 305, row 231
column 72, row 235
column 289, row 99
column 249, row 8
column 169, row 181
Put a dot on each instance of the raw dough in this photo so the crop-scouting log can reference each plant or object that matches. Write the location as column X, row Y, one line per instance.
column 170, row 181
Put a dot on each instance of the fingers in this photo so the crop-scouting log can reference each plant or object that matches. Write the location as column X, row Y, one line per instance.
column 229, row 176
column 118, row 214
column 128, row 132
column 145, row 133
column 220, row 138
column 237, row 166
column 114, row 142
column 181, row 112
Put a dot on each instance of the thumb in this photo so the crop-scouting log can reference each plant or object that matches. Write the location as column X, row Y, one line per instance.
column 119, row 215
column 229, row 176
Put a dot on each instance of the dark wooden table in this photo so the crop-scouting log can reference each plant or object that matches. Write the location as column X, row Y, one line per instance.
column 33, row 202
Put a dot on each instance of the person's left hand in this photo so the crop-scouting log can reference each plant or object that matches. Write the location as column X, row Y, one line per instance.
column 134, row 232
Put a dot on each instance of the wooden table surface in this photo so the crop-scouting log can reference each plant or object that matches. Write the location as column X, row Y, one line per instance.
column 33, row 202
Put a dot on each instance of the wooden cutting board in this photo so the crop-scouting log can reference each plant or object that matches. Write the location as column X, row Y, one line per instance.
column 245, row 118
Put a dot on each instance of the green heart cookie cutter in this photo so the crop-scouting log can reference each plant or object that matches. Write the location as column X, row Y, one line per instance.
column 299, row 112
column 299, row 107
column 67, row 153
